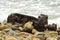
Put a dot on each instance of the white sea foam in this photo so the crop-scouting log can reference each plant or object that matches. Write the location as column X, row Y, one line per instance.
column 31, row 7
column 56, row 21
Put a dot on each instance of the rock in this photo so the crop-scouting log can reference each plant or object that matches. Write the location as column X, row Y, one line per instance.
column 21, row 28
column 39, row 34
column 51, row 34
column 34, row 31
column 52, row 27
column 1, row 38
column 10, row 38
column 28, row 27
column 38, row 23
column 15, row 27
column 31, row 37
column 5, row 26
column 19, row 18
column 51, row 38
column 6, row 30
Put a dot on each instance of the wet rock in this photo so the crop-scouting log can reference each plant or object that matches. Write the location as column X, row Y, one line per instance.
column 20, row 18
column 52, row 27
column 42, row 20
column 38, row 23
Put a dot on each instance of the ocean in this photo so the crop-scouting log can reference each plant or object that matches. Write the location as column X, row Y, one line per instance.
column 31, row 7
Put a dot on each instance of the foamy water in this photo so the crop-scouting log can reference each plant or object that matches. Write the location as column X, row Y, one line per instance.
column 31, row 7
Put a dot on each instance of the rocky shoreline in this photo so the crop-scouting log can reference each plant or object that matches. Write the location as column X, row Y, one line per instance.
column 23, row 27
column 9, row 33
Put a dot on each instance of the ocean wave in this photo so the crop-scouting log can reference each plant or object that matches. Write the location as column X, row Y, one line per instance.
column 31, row 7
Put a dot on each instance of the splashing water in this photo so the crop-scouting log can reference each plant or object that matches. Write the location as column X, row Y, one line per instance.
column 31, row 7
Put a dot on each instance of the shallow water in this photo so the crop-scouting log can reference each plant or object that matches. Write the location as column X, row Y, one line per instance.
column 31, row 7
